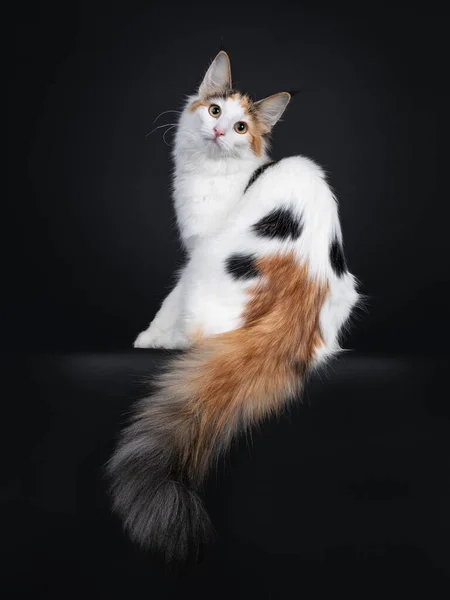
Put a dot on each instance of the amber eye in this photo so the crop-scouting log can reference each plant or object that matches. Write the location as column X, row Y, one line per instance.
column 214, row 110
column 240, row 127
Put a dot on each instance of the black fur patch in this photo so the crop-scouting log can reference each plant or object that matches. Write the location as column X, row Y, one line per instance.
column 337, row 258
column 259, row 171
column 242, row 266
column 280, row 223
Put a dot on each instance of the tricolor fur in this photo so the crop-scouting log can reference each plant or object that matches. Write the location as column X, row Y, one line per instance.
column 262, row 300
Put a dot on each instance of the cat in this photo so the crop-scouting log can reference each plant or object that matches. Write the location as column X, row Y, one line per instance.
column 260, row 303
column 213, row 164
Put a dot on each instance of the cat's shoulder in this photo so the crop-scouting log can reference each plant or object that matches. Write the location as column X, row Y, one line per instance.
column 289, row 172
column 298, row 165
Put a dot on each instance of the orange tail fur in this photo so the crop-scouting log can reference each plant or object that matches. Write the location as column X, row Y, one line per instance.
column 218, row 388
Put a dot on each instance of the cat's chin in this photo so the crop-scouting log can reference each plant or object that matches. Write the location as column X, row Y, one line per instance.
column 215, row 149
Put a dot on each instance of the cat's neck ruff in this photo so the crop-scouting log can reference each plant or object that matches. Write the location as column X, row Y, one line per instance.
column 197, row 161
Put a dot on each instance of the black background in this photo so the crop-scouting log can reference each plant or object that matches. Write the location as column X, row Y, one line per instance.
column 93, row 241
column 350, row 491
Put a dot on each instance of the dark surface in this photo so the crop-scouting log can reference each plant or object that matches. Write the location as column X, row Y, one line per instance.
column 91, row 242
column 347, row 494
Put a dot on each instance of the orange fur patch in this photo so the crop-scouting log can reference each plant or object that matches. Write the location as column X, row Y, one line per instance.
column 246, row 103
column 193, row 107
column 227, row 382
column 256, row 143
column 256, row 130
column 251, row 372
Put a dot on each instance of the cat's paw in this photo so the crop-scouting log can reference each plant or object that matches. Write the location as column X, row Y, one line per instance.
column 143, row 340
column 158, row 338
column 149, row 339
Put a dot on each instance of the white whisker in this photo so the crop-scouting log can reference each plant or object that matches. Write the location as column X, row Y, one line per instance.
column 160, row 126
column 164, row 136
column 165, row 112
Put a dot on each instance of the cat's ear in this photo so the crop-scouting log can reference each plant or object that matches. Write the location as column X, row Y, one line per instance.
column 270, row 109
column 218, row 77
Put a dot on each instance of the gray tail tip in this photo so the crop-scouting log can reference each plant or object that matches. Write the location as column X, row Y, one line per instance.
column 170, row 522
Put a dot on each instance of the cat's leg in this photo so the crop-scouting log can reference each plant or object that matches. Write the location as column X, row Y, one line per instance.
column 165, row 330
column 213, row 302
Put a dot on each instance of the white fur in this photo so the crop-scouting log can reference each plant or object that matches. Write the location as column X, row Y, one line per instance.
column 210, row 174
column 218, row 76
column 214, row 301
column 215, row 219
column 166, row 330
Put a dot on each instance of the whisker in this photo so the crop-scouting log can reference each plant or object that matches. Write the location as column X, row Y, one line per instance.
column 165, row 112
column 159, row 127
column 164, row 136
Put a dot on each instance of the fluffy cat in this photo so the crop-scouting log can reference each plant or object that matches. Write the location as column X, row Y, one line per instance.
column 213, row 164
column 260, row 302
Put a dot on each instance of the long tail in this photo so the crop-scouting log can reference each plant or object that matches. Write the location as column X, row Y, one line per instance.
column 220, row 387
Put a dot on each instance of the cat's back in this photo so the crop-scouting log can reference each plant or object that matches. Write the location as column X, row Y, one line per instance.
column 287, row 176
column 296, row 183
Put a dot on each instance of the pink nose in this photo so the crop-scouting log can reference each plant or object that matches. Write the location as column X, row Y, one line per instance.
column 218, row 132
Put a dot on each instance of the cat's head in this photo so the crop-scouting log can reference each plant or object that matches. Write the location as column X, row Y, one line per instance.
column 224, row 122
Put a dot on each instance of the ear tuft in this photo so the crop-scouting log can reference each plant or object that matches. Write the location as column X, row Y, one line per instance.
column 270, row 109
column 218, row 77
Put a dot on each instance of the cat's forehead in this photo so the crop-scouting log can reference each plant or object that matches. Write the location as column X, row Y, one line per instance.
column 235, row 104
column 232, row 104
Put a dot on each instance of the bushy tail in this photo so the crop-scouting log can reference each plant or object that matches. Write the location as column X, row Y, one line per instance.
column 221, row 386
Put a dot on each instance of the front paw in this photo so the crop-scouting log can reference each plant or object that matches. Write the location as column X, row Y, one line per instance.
column 143, row 340
column 158, row 338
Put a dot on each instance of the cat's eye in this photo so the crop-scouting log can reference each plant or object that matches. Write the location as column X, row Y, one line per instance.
column 214, row 110
column 240, row 127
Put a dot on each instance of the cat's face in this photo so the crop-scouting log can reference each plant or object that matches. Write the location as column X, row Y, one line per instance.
column 228, row 124
column 224, row 122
